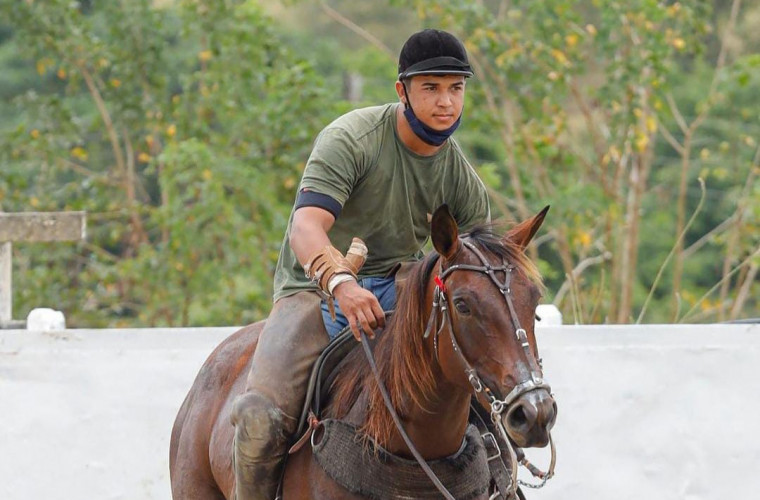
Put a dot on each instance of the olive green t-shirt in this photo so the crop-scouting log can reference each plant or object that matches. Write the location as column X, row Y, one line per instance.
column 386, row 192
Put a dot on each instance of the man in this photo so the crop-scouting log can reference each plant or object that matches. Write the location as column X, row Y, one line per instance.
column 375, row 173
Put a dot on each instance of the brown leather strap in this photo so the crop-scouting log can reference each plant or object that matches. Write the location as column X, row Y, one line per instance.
column 313, row 424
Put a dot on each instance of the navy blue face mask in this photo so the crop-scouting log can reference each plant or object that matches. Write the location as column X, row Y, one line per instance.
column 427, row 134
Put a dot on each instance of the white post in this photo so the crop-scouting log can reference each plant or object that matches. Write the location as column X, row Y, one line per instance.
column 6, row 297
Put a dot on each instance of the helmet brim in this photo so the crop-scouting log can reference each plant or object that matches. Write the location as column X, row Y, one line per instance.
column 439, row 72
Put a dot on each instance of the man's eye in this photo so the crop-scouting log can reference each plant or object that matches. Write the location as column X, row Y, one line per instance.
column 462, row 307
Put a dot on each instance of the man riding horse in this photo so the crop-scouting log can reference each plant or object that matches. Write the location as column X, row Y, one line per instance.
column 375, row 173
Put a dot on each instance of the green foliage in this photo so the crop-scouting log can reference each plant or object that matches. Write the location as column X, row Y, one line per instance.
column 182, row 131
column 182, row 128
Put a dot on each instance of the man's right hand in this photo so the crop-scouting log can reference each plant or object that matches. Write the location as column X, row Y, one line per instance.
column 360, row 307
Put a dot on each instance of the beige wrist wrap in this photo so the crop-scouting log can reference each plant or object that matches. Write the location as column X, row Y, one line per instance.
column 329, row 262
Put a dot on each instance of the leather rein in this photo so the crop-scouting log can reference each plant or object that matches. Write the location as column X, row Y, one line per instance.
column 498, row 406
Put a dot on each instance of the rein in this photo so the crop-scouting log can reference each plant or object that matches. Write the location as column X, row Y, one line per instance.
column 498, row 406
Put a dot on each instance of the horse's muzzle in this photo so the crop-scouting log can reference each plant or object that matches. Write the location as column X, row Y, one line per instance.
column 530, row 418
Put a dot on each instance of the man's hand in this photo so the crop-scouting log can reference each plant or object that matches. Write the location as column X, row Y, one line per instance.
column 360, row 307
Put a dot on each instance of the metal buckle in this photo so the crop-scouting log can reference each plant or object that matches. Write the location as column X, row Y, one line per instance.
column 494, row 443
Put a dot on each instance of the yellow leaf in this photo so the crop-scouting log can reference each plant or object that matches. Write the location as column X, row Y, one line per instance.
column 571, row 40
column 115, row 83
column 143, row 157
column 79, row 153
column 289, row 182
column 679, row 43
column 560, row 57
column 61, row 73
column 584, row 239
column 651, row 124
column 35, row 134
column 704, row 153
column 41, row 68
column 179, row 266
column 34, row 202
column 642, row 141
column 591, row 29
column 207, row 174
column 171, row 130
column 205, row 55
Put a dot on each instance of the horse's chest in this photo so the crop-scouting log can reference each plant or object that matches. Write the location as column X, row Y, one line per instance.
column 339, row 467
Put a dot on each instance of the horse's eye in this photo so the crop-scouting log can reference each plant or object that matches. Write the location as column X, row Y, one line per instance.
column 461, row 307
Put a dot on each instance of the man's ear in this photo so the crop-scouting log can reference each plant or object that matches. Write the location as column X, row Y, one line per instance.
column 400, row 91
column 444, row 232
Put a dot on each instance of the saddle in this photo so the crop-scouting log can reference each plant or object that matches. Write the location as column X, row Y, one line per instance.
column 322, row 376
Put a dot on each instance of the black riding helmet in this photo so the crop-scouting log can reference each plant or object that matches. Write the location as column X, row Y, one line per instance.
column 433, row 52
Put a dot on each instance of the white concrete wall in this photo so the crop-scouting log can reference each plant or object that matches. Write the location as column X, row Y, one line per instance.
column 653, row 412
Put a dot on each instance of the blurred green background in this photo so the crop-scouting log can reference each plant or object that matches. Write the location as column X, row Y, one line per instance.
column 182, row 127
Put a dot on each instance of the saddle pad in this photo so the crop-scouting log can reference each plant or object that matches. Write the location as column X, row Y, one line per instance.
column 372, row 472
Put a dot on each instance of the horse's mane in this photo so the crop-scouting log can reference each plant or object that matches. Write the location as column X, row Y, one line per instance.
column 404, row 364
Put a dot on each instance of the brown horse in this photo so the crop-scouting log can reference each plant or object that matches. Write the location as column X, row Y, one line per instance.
column 464, row 320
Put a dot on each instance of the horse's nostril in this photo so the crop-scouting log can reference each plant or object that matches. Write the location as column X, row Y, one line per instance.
column 518, row 418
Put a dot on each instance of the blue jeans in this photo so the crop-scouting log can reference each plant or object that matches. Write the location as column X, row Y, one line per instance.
column 382, row 288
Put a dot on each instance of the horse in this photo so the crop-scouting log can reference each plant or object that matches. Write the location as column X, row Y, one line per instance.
column 456, row 291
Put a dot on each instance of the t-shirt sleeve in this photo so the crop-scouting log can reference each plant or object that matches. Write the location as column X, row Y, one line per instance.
column 473, row 207
column 334, row 166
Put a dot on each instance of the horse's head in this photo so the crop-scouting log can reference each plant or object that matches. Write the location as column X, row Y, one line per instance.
column 482, row 323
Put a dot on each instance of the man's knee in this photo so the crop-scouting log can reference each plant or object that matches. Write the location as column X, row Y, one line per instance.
column 260, row 425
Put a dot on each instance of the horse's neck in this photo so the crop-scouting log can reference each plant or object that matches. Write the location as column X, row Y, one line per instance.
column 437, row 430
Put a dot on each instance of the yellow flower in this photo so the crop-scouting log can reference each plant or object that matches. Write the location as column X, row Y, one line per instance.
column 571, row 40
column 591, row 29
column 35, row 134
column 61, row 73
column 143, row 157
column 679, row 43
column 207, row 174
column 171, row 130
column 205, row 55
column 115, row 83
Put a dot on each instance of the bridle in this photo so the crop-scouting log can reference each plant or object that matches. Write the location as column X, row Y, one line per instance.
column 498, row 406
column 535, row 381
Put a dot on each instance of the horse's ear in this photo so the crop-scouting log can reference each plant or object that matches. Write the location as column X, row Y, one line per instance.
column 522, row 233
column 444, row 232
